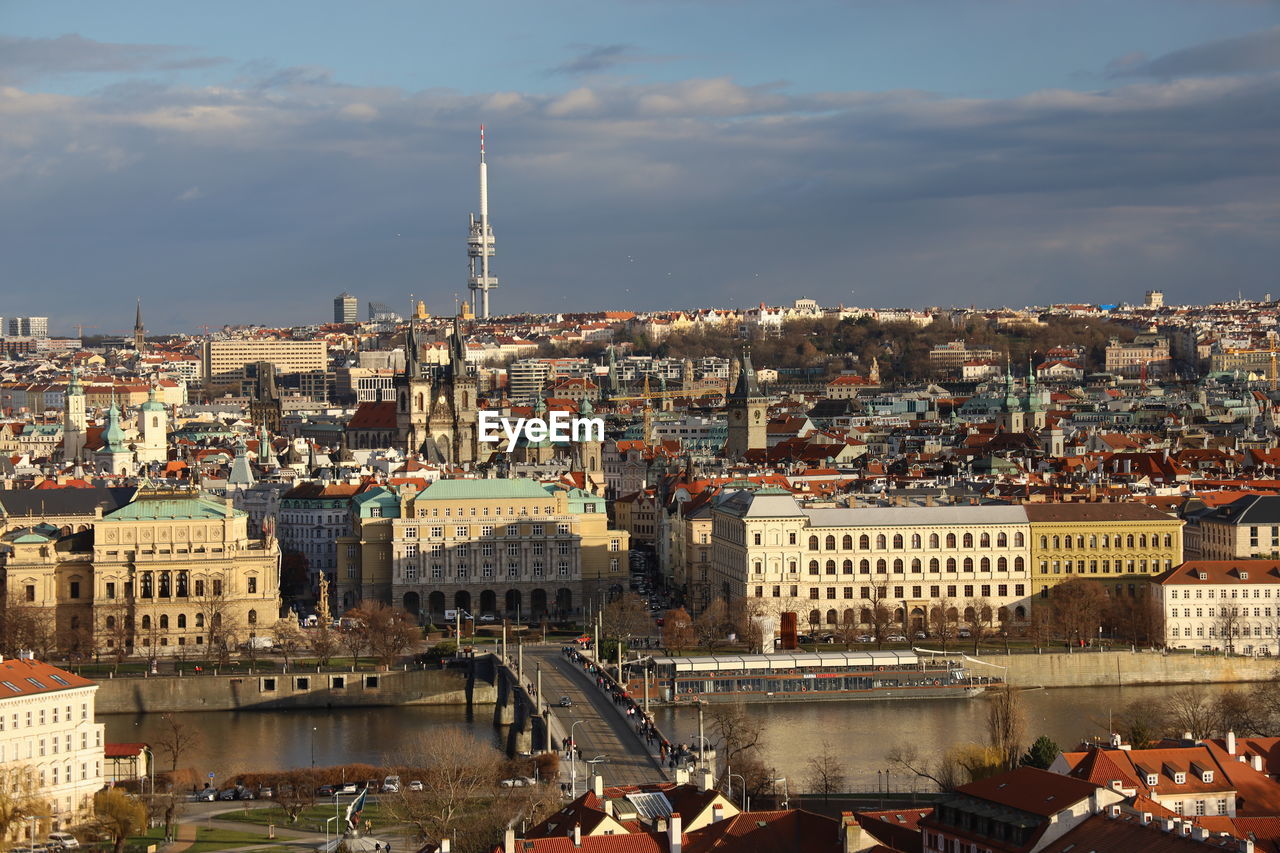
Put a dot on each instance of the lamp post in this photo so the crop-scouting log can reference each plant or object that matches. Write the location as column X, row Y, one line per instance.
column 573, row 760
column 702, row 741
column 744, row 789
column 786, row 796
column 314, row 729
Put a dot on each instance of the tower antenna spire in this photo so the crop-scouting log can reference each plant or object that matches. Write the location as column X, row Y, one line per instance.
column 480, row 243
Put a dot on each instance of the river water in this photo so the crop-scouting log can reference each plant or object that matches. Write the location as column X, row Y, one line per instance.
column 861, row 732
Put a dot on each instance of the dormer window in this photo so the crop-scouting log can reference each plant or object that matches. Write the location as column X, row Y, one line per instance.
column 1244, row 576
column 1204, row 576
column 1206, row 776
column 1152, row 780
column 1179, row 778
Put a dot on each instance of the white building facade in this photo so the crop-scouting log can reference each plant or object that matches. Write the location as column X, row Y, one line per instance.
column 1231, row 605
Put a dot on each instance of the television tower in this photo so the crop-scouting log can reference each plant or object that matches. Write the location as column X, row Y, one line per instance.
column 480, row 244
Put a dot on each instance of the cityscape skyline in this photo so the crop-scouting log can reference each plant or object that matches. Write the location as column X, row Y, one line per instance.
column 245, row 169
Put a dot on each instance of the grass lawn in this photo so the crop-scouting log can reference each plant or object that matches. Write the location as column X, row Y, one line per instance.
column 312, row 818
column 207, row 840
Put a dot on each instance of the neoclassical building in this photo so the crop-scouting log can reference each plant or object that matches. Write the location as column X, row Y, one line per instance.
column 829, row 564
column 165, row 573
column 511, row 548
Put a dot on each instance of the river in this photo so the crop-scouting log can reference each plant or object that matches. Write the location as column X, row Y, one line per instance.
column 860, row 732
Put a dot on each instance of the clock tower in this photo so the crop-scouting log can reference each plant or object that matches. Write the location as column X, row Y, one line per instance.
column 748, row 412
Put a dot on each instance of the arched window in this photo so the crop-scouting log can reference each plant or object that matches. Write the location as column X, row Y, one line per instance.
column 1168, row 541
column 864, row 567
column 951, row 540
column 111, row 623
column 813, row 543
column 182, row 620
column 182, row 584
column 199, row 620
column 164, row 622
column 1142, row 540
column 984, row 541
column 897, row 541
column 915, row 565
column 934, row 565
column 1002, row 540
column 815, row 618
column 847, row 542
column 968, row 540
column 1002, row 564
column 1057, row 543
column 968, row 564
column 881, row 542
column 1106, row 540
column 146, row 623
column 253, row 617
column 813, row 567
column 146, row 584
column 831, row 616
column 831, row 567
column 1129, row 540
column 864, row 542
column 1019, row 613
column 846, row 568
column 897, row 566
column 882, row 568
column 951, row 564
column 1017, row 564
column 1044, row 543
column 164, row 584
column 831, row 543
column 933, row 540
column 916, row 541
column 985, row 564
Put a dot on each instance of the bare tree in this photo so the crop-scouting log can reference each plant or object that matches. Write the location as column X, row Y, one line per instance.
column 354, row 635
column 176, row 739
column 295, row 792
column 677, row 630
column 1077, row 607
column 26, row 626
column 459, row 793
column 120, row 814
column 1006, row 724
column 881, row 614
column 1227, row 626
column 625, row 617
column 323, row 642
column 942, row 622
column 287, row 638
column 1191, row 709
column 746, row 625
column 220, row 623
column 1139, row 723
column 825, row 773
column 19, row 797
column 388, row 631
column 738, row 733
column 711, row 625
column 115, row 630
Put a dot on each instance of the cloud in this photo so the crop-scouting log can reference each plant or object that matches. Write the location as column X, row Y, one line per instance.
column 27, row 58
column 1255, row 52
column 743, row 192
column 598, row 58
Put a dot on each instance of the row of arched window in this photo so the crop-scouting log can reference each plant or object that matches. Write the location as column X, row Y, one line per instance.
column 898, row 542
column 163, row 621
column 968, row 564
column 1141, row 540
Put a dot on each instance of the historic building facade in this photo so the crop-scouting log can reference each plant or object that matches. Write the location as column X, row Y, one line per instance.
column 166, row 573
column 1221, row 604
column 504, row 548
column 829, row 565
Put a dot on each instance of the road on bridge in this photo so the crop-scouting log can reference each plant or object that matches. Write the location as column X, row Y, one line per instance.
column 601, row 729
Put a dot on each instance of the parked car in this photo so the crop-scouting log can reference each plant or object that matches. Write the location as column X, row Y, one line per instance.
column 862, row 638
column 326, row 791
column 391, row 785
column 566, row 702
column 63, row 841
column 415, row 785
column 348, row 788
column 266, row 792
column 227, row 794
column 896, row 638
column 488, row 617
column 517, row 782
column 243, row 793
column 921, row 635
column 964, row 633
column 207, row 795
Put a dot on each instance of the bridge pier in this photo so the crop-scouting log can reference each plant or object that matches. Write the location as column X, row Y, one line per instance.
column 504, row 710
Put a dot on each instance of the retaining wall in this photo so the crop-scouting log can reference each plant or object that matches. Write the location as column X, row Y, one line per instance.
column 1125, row 668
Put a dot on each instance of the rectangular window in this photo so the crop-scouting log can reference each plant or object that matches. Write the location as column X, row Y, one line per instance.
column 111, row 589
column 411, row 533
column 253, row 584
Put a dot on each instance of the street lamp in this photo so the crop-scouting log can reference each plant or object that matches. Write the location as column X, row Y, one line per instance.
column 702, row 741
column 573, row 760
column 786, row 796
column 314, row 729
column 744, row 788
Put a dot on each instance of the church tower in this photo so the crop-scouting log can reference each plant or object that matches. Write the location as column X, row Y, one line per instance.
column 74, row 422
column 413, row 396
column 748, row 413
column 114, row 457
column 1011, row 417
column 139, row 333
column 464, row 390
column 153, row 424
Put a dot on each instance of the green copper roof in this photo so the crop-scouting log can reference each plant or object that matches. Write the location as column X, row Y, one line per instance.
column 387, row 501
column 452, row 490
column 579, row 501
column 152, row 507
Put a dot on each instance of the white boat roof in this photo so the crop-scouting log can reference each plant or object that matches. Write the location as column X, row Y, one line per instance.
column 788, row 660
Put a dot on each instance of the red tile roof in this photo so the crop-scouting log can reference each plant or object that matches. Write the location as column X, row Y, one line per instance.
column 21, row 677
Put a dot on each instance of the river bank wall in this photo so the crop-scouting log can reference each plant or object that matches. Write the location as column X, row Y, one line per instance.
column 1124, row 669
column 293, row 690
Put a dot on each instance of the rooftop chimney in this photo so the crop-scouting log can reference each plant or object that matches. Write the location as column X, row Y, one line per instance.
column 1246, row 845
column 706, row 780
column 597, row 784
column 682, row 776
column 577, row 835
column 1146, row 818
column 1231, row 743
column 717, row 813
column 1199, row 833
column 445, row 847
column 509, row 841
column 1257, row 763
column 675, row 834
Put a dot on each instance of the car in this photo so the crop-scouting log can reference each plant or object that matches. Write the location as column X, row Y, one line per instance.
column 227, row 794
column 348, row 788
column 921, row 635
column 488, row 617
column 266, row 792
column 516, row 782
column 63, row 841
column 415, row 785
column 804, row 638
column 964, row 633
column 391, row 785
column 207, row 795
column 896, row 638
column 863, row 638
column 243, row 793
column 326, row 791
column 566, row 702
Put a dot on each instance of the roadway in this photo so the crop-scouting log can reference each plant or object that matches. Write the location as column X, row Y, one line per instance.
column 602, row 729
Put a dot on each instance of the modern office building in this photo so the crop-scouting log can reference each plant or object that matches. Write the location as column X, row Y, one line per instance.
column 346, row 308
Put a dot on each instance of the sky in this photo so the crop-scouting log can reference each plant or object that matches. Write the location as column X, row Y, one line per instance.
column 244, row 162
